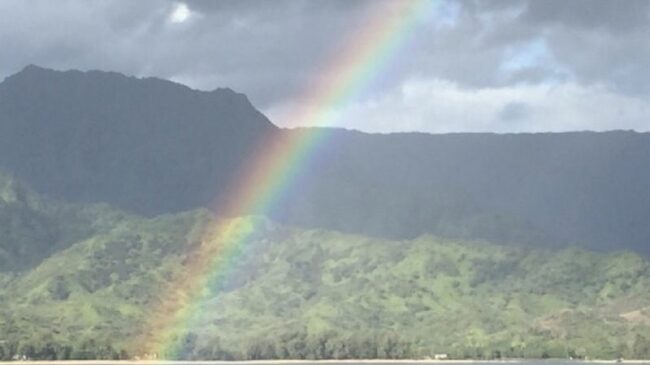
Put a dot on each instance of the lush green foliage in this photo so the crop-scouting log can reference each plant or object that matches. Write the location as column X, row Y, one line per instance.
column 85, row 281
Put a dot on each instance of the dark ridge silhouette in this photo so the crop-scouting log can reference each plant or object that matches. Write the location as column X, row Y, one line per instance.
column 148, row 145
column 152, row 146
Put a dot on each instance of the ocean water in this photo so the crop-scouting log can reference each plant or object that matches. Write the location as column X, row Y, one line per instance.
column 352, row 362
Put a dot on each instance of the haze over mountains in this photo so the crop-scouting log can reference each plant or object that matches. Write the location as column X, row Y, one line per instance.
column 86, row 282
column 151, row 146
column 389, row 246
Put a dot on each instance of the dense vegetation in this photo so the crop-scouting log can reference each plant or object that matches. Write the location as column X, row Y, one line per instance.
column 153, row 147
column 85, row 284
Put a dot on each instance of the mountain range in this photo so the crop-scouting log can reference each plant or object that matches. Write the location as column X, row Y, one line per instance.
column 151, row 146
column 86, row 282
column 404, row 245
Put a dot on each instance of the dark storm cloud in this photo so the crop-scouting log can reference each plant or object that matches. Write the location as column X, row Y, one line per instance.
column 268, row 49
column 613, row 16
column 604, row 41
column 596, row 41
column 273, row 50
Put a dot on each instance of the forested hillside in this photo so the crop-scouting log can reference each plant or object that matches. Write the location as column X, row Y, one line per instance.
column 32, row 228
column 151, row 147
column 297, row 293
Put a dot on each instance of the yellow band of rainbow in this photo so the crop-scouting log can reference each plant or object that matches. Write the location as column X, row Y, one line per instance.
column 270, row 172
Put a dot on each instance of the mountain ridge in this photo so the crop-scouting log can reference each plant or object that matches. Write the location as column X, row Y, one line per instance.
column 32, row 69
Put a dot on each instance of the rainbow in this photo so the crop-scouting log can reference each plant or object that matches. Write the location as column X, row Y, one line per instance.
column 270, row 172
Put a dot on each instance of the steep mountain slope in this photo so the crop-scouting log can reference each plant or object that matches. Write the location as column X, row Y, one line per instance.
column 147, row 145
column 295, row 293
column 151, row 146
column 32, row 228
column 590, row 189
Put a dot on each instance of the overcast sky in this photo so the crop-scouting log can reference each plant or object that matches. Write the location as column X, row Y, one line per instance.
column 501, row 66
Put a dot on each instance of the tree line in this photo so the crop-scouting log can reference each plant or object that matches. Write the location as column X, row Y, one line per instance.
column 87, row 350
column 300, row 345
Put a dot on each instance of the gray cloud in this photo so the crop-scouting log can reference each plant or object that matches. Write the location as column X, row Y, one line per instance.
column 514, row 111
column 274, row 50
column 605, row 15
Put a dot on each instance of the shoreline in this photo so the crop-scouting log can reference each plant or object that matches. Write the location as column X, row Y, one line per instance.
column 279, row 362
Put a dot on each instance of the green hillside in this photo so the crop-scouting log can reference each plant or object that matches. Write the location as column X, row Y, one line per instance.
column 32, row 227
column 83, row 281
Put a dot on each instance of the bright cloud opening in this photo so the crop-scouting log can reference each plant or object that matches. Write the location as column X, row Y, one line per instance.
column 441, row 106
column 180, row 13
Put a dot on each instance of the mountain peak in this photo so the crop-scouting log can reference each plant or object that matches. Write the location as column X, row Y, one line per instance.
column 78, row 135
column 32, row 74
column 107, row 87
column 34, row 68
column 27, row 71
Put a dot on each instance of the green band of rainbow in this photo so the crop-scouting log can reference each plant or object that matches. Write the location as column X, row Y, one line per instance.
column 269, row 174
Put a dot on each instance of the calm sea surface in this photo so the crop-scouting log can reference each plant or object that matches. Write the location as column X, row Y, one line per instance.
column 509, row 362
